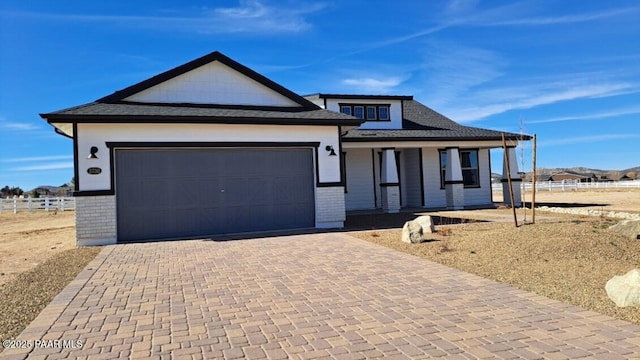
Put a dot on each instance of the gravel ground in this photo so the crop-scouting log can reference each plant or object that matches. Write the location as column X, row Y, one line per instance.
column 25, row 296
column 567, row 257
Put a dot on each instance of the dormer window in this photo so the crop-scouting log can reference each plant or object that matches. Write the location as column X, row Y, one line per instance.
column 358, row 111
column 373, row 112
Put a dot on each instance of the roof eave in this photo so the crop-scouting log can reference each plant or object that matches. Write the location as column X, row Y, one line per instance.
column 150, row 119
column 355, row 96
column 437, row 138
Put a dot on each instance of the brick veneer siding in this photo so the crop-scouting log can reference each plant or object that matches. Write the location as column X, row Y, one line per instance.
column 330, row 210
column 96, row 220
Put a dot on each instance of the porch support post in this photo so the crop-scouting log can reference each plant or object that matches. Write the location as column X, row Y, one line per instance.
column 453, row 182
column 389, row 182
column 515, row 179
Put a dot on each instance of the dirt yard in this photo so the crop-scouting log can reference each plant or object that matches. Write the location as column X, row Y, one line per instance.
column 627, row 200
column 38, row 258
column 28, row 239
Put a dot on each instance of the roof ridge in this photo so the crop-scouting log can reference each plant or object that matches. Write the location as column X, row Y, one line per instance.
column 217, row 106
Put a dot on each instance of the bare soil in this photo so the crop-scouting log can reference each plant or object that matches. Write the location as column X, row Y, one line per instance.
column 28, row 239
column 38, row 258
column 627, row 200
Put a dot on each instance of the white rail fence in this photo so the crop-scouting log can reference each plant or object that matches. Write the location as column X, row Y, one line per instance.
column 570, row 185
column 37, row 204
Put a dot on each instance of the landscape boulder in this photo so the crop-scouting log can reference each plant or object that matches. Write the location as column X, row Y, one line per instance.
column 624, row 290
column 427, row 224
column 413, row 231
column 628, row 228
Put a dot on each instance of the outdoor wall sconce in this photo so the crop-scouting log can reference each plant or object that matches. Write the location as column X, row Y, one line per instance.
column 92, row 153
column 329, row 148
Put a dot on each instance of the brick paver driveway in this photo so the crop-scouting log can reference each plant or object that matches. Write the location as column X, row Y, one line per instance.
column 311, row 296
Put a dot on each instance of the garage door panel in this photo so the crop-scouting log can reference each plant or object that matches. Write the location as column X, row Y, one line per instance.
column 159, row 193
column 235, row 216
column 188, row 193
column 210, row 191
column 235, row 191
column 132, row 190
column 213, row 220
column 184, row 193
column 257, row 187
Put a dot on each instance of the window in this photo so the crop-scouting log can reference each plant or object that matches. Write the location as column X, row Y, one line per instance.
column 469, row 165
column 371, row 113
column 383, row 112
column 358, row 111
column 368, row 112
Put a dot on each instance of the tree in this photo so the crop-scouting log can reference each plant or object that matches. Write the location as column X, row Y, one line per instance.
column 16, row 191
column 9, row 192
column 632, row 175
column 35, row 194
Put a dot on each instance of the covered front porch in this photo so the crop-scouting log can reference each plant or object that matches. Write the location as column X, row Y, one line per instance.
column 388, row 177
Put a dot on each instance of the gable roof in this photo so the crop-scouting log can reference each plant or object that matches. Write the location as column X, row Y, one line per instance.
column 121, row 95
column 421, row 123
column 124, row 112
column 118, row 108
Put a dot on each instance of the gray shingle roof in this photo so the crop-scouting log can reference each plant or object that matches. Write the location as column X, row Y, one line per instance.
column 421, row 123
column 135, row 112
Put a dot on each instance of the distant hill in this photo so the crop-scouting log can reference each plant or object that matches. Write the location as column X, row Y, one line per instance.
column 610, row 174
column 634, row 169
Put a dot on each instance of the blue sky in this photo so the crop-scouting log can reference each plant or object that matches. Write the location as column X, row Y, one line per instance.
column 568, row 71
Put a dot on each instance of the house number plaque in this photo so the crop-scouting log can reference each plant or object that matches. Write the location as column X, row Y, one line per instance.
column 94, row 170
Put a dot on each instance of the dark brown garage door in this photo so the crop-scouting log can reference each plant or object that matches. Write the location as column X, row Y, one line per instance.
column 186, row 193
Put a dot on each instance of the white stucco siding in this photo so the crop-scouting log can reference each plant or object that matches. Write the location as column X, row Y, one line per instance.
column 213, row 83
column 481, row 195
column 435, row 197
column 317, row 101
column 99, row 134
column 359, row 176
column 395, row 112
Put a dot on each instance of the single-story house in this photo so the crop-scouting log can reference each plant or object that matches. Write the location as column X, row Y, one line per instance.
column 212, row 147
column 572, row 176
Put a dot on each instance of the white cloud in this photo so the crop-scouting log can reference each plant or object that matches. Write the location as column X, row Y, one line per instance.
column 39, row 158
column 596, row 116
column 453, row 70
column 567, row 19
column 499, row 100
column 250, row 16
column 368, row 85
column 459, row 7
column 18, row 126
column 255, row 17
column 587, row 139
column 53, row 166
column 466, row 13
